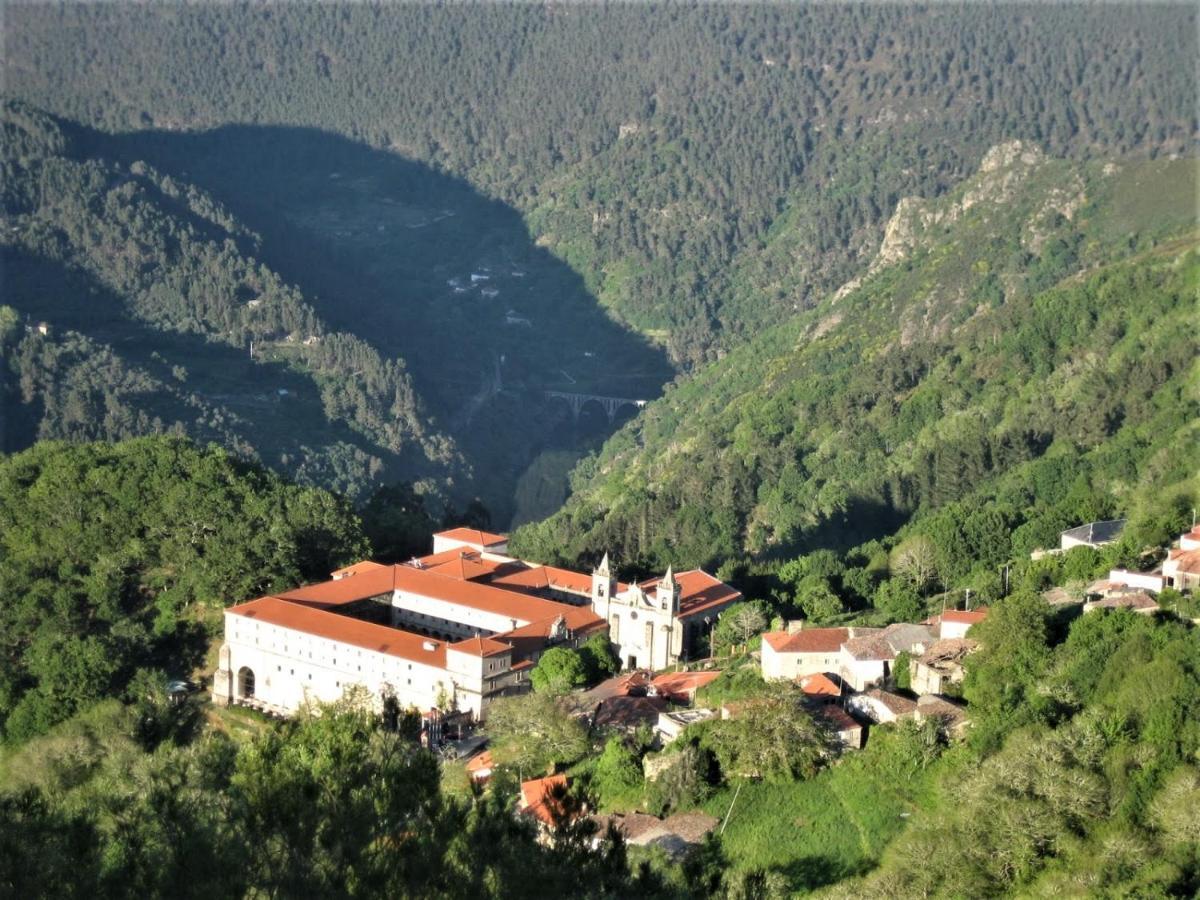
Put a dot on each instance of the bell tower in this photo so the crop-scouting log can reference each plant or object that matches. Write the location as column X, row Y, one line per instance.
column 604, row 585
column 667, row 594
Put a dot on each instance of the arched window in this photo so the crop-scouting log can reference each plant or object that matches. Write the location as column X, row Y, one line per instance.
column 245, row 682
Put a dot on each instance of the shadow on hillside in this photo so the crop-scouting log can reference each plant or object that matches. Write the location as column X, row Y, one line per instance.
column 259, row 405
column 424, row 267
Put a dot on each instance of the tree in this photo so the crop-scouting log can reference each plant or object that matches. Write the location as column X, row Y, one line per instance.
column 899, row 600
column 1002, row 677
column 617, row 777
column 773, row 736
column 598, row 658
column 816, row 599
column 901, row 670
column 532, row 732
column 560, row 670
column 916, row 560
column 739, row 623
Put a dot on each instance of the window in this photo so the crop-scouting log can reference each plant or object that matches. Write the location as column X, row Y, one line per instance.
column 279, row 668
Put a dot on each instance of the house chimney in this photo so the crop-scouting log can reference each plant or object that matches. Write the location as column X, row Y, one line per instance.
column 795, row 626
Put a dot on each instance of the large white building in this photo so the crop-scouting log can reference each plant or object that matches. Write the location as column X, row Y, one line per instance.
column 453, row 630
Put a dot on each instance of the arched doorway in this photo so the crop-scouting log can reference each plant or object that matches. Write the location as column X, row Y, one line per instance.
column 245, row 682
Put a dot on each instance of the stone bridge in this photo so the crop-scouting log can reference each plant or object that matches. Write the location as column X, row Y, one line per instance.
column 610, row 405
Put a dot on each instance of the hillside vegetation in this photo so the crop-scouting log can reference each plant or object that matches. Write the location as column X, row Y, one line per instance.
column 706, row 169
column 1017, row 359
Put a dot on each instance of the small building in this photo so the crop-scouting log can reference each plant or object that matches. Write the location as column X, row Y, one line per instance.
column 479, row 767
column 672, row 724
column 950, row 716
column 675, row 835
column 1138, row 601
column 1142, row 581
column 1191, row 539
column 1181, row 569
column 955, row 623
column 883, row 707
column 821, row 687
column 470, row 539
column 941, row 665
column 628, row 713
column 541, row 798
column 849, row 730
column 1093, row 534
column 681, row 687
column 867, row 660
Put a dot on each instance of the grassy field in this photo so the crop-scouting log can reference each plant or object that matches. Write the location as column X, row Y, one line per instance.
column 833, row 826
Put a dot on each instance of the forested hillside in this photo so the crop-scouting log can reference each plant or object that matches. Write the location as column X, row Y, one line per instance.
column 705, row 169
column 1018, row 358
column 136, row 305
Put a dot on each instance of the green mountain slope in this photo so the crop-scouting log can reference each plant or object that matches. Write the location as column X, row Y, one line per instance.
column 706, row 169
column 154, row 299
column 414, row 326
column 1027, row 336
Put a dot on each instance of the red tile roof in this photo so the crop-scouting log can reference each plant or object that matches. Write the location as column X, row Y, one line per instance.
column 473, row 536
column 344, row 629
column 543, row 577
column 839, row 718
column 820, row 685
column 480, row 764
column 1188, row 562
column 808, row 640
column 537, row 799
column 482, row 646
column 510, row 604
column 698, row 592
column 365, row 566
column 684, row 682
column 968, row 617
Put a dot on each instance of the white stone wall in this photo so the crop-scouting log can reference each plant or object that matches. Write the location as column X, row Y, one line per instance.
column 471, row 619
column 292, row 669
column 797, row 665
column 860, row 674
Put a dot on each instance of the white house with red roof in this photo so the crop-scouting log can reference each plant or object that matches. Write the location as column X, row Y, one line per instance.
column 805, row 651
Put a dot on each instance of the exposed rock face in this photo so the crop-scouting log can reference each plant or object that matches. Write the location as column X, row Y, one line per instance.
column 1002, row 172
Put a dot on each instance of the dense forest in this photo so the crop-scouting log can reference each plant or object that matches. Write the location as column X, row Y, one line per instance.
column 428, row 218
column 1078, row 776
column 706, row 169
column 1028, row 360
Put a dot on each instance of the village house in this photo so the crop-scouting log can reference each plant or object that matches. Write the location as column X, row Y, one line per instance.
column 803, row 651
column 821, row 688
column 1181, row 568
column 454, row 630
column 675, row 835
column 941, row 665
column 1153, row 582
column 955, row 623
column 541, row 798
column 883, row 707
column 671, row 724
column 867, row 660
column 951, row 717
column 849, row 730
column 1091, row 534
column 1138, row 601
